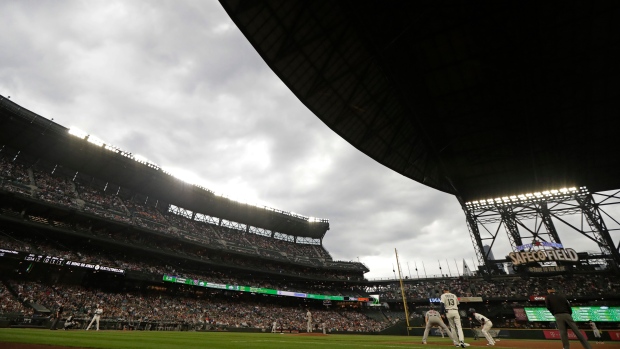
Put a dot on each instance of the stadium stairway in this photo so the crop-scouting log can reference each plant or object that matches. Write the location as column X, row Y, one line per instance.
column 12, row 291
column 35, row 306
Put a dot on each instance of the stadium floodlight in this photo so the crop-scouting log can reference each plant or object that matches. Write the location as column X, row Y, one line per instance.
column 112, row 148
column 77, row 132
column 141, row 159
column 552, row 194
column 95, row 140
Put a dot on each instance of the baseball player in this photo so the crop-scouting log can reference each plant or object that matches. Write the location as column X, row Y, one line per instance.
column 69, row 323
column 57, row 316
column 96, row 317
column 486, row 326
column 450, row 309
column 274, row 326
column 596, row 332
column 433, row 318
column 309, row 318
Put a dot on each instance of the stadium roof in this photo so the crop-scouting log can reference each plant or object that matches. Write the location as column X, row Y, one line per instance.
column 477, row 99
column 25, row 131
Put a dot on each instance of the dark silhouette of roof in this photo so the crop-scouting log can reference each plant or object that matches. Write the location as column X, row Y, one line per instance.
column 478, row 99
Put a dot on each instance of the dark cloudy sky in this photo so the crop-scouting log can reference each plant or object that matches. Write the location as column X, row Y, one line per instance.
column 176, row 82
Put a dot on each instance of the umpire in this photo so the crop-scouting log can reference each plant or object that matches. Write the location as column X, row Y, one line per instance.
column 57, row 316
column 559, row 306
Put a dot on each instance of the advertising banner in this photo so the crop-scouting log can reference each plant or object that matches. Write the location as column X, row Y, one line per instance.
column 614, row 335
column 555, row 334
column 261, row 290
column 8, row 253
column 537, row 298
column 470, row 299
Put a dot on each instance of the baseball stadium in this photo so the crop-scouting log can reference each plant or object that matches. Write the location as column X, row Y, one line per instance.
column 506, row 106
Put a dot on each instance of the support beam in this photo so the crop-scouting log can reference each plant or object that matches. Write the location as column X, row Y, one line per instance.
column 545, row 215
column 474, row 233
column 599, row 229
column 510, row 222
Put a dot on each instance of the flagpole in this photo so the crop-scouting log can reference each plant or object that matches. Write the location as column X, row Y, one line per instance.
column 448, row 264
column 416, row 268
column 425, row 276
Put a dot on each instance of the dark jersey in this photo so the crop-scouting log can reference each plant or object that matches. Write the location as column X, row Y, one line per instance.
column 558, row 304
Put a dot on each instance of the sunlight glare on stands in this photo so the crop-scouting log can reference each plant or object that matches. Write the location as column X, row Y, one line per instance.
column 77, row 132
column 239, row 194
column 140, row 158
column 95, row 140
column 112, row 148
column 184, row 175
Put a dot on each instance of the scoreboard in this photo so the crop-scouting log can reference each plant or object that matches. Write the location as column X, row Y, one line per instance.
column 596, row 314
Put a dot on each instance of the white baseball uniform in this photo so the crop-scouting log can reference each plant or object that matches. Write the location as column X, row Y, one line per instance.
column 309, row 318
column 451, row 304
column 96, row 318
column 486, row 326
column 595, row 331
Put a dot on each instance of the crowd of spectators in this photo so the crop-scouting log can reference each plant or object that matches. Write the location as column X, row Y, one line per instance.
column 577, row 285
column 15, row 177
column 158, row 266
column 55, row 190
column 183, row 309
column 9, row 303
column 59, row 190
column 508, row 287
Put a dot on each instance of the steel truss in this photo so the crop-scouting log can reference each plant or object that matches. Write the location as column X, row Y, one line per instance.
column 600, row 216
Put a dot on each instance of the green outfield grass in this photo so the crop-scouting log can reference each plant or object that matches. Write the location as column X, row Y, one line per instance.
column 202, row 340
column 216, row 340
